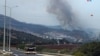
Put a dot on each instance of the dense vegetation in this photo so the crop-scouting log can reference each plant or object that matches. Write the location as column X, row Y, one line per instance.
column 89, row 49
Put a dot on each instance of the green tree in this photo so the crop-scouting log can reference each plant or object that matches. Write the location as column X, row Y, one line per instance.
column 90, row 49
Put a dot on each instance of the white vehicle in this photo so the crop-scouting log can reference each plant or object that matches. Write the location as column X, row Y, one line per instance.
column 30, row 49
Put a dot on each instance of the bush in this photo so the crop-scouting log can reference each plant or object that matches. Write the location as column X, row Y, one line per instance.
column 89, row 49
column 79, row 54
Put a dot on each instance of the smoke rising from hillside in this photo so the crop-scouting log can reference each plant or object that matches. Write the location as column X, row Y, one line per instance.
column 64, row 14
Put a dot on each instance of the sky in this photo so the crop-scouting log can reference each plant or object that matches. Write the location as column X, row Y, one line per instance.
column 30, row 11
column 35, row 12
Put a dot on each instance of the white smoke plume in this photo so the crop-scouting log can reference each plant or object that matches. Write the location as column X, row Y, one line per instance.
column 64, row 14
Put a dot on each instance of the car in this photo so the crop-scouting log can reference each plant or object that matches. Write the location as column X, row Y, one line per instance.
column 30, row 49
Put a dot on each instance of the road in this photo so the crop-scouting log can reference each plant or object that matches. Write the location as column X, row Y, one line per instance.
column 20, row 53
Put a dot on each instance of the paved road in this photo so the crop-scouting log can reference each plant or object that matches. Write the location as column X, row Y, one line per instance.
column 20, row 53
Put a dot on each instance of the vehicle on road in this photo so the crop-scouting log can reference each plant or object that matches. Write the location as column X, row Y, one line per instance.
column 30, row 49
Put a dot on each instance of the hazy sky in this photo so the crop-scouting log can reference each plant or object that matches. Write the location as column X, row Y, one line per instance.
column 30, row 11
column 35, row 11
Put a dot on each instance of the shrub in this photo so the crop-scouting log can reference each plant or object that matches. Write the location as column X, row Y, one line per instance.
column 89, row 49
column 79, row 54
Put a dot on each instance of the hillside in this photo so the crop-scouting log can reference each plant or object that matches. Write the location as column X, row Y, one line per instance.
column 45, row 31
column 19, row 37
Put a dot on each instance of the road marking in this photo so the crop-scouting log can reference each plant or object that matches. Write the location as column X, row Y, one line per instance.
column 15, row 55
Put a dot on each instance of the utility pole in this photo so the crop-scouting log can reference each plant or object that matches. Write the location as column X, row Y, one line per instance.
column 4, row 37
column 10, row 30
column 10, row 27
